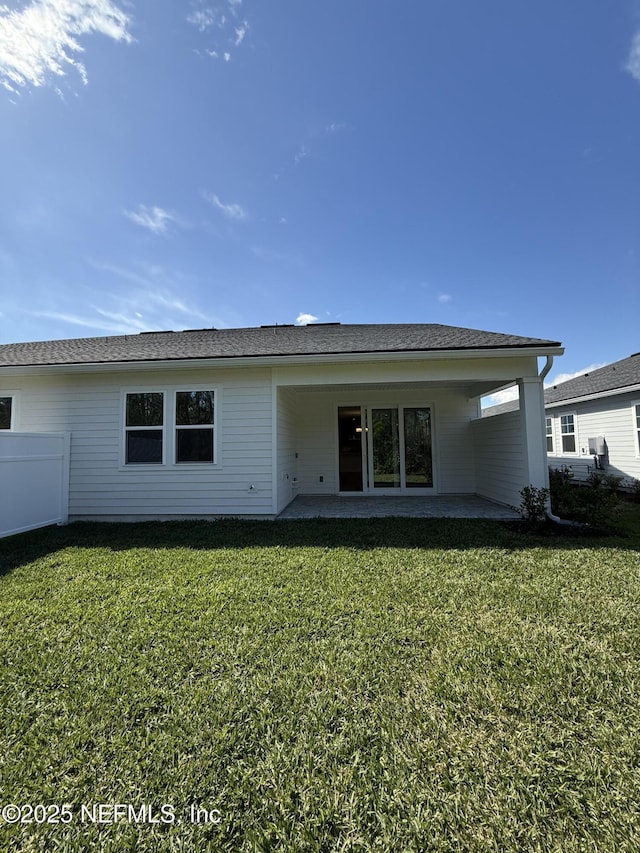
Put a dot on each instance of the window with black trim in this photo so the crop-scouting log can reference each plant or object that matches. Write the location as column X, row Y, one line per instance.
column 638, row 429
column 144, row 428
column 568, row 432
column 6, row 411
column 194, row 417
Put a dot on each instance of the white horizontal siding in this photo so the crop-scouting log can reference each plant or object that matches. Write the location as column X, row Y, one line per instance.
column 499, row 458
column 89, row 406
column 612, row 417
column 454, row 444
column 286, row 471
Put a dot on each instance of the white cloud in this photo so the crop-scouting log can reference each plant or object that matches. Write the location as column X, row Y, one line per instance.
column 219, row 19
column 155, row 219
column 304, row 319
column 565, row 377
column 230, row 211
column 302, row 154
column 204, row 19
column 633, row 61
column 128, row 301
column 504, row 396
column 104, row 322
column 41, row 41
column 444, row 298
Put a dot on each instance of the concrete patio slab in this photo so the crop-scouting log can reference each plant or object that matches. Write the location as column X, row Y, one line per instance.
column 419, row 506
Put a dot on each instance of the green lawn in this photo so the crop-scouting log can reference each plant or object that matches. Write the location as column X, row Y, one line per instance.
column 384, row 685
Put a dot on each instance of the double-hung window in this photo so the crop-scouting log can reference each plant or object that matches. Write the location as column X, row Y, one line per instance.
column 169, row 427
column 549, row 431
column 144, row 428
column 194, row 416
column 6, row 412
column 568, row 432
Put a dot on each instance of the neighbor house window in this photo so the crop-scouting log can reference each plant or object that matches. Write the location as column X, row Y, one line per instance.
column 638, row 429
column 194, row 426
column 568, row 432
column 6, row 411
column 144, row 427
column 549, row 429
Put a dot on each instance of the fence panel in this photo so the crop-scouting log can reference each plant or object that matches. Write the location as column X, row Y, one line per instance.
column 34, row 480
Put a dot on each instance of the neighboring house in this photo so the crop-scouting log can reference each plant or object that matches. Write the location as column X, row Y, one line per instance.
column 239, row 421
column 592, row 422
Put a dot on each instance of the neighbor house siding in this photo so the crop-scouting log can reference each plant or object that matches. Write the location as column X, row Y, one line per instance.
column 499, row 451
column 611, row 417
column 90, row 407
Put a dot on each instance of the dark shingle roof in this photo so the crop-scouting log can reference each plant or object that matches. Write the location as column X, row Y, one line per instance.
column 619, row 375
column 330, row 338
column 501, row 408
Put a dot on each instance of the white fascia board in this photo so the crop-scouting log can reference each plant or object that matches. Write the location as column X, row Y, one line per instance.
column 614, row 392
column 280, row 360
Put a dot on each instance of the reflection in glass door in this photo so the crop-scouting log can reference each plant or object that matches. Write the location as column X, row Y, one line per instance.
column 418, row 465
column 399, row 448
column 350, row 448
column 385, row 449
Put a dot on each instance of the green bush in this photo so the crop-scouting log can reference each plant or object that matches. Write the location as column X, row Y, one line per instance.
column 533, row 506
column 591, row 503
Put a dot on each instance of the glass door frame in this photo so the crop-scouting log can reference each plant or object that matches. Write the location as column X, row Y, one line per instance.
column 368, row 487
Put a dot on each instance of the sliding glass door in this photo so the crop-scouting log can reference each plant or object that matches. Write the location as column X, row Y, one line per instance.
column 385, row 448
column 418, row 462
column 384, row 437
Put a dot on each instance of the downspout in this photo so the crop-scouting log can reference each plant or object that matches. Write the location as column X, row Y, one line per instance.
column 545, row 370
column 555, row 518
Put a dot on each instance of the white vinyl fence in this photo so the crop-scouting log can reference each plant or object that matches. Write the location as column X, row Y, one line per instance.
column 34, row 480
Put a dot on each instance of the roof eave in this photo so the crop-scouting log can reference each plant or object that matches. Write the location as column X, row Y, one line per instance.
column 584, row 398
column 279, row 360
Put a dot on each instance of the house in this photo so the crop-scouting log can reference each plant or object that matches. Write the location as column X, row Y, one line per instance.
column 592, row 422
column 239, row 421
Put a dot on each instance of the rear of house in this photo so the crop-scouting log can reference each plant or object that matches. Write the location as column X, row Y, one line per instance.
column 241, row 421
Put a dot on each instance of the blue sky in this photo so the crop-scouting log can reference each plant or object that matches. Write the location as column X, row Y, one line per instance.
column 171, row 165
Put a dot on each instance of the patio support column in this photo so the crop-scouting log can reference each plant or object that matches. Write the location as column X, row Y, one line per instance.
column 536, row 472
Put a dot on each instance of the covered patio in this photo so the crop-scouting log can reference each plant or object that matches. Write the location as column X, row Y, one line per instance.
column 419, row 506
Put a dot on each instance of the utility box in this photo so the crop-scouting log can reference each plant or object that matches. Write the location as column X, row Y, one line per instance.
column 598, row 446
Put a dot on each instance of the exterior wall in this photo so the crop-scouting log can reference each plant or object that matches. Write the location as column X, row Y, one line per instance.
column 499, row 455
column 90, row 407
column 317, row 436
column 276, row 431
column 286, row 447
column 614, row 418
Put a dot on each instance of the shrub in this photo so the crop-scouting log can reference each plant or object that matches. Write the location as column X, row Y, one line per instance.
column 592, row 503
column 533, row 506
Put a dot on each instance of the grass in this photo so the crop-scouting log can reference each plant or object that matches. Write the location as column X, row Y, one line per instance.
column 397, row 684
